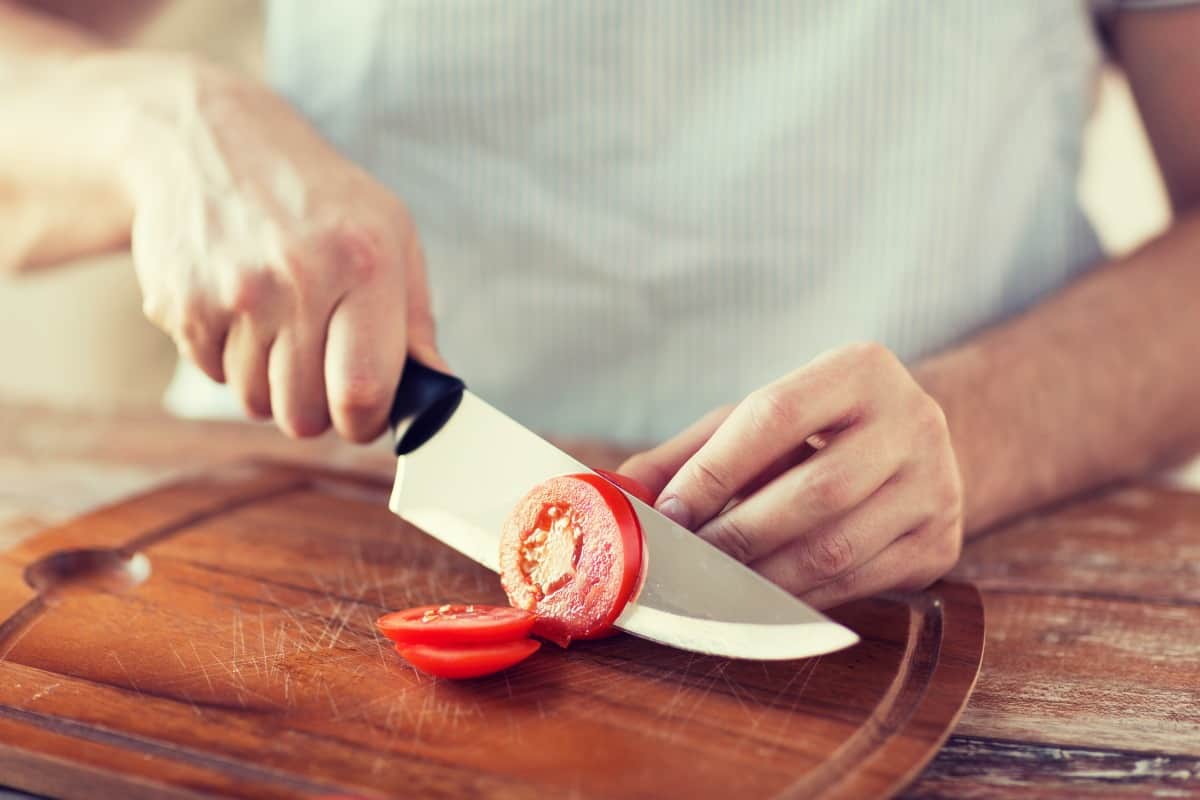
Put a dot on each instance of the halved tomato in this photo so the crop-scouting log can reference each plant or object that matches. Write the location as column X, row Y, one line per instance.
column 468, row 660
column 571, row 553
column 627, row 483
column 456, row 624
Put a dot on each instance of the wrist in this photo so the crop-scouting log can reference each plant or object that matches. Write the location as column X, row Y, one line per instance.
column 956, row 380
column 131, row 109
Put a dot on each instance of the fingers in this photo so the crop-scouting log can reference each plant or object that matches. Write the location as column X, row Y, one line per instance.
column 846, row 543
column 385, row 315
column 653, row 468
column 911, row 563
column 421, row 328
column 199, row 330
column 364, row 355
column 823, row 488
column 762, row 428
column 247, row 351
column 297, row 381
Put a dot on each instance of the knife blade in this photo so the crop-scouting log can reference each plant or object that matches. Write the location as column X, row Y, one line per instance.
column 463, row 465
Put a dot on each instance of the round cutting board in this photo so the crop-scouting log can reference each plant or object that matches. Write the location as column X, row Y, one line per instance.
column 216, row 637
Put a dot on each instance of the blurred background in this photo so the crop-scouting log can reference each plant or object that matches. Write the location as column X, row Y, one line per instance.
column 75, row 337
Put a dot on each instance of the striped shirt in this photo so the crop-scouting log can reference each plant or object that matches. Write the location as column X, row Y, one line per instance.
column 635, row 211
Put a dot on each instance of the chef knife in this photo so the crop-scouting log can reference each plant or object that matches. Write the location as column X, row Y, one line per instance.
column 462, row 467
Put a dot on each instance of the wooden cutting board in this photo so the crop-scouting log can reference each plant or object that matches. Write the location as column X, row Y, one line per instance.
column 215, row 637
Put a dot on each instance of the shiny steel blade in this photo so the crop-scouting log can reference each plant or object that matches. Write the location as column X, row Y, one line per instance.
column 695, row 597
column 461, row 485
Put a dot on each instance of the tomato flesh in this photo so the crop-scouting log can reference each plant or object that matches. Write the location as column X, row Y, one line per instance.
column 459, row 662
column 630, row 485
column 451, row 624
column 571, row 553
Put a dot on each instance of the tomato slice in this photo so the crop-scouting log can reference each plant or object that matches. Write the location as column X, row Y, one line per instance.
column 571, row 552
column 630, row 485
column 456, row 624
column 469, row 660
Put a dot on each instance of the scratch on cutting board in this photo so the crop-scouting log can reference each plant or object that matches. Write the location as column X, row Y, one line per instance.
column 668, row 709
column 262, row 632
column 194, row 705
column 203, row 669
column 808, row 669
column 44, row 691
column 240, row 631
column 377, row 583
column 128, row 676
column 737, row 695
column 178, row 657
column 332, row 702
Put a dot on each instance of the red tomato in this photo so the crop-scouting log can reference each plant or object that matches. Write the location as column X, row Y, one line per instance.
column 571, row 552
column 456, row 624
column 467, row 660
column 635, row 488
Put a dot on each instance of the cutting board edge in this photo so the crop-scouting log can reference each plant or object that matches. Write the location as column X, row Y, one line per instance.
column 973, row 651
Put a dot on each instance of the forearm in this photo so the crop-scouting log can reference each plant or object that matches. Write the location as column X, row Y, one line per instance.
column 1095, row 385
column 59, row 127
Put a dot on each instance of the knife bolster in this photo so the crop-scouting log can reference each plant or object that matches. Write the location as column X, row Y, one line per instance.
column 425, row 400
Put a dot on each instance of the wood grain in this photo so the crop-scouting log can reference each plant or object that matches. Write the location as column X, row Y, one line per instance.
column 246, row 664
column 1054, row 586
column 975, row 768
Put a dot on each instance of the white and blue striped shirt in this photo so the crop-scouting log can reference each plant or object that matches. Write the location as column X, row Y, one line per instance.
column 635, row 211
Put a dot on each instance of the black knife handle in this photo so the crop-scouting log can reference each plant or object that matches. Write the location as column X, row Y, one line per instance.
column 425, row 400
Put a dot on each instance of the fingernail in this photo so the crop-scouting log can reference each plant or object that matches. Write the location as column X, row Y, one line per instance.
column 673, row 508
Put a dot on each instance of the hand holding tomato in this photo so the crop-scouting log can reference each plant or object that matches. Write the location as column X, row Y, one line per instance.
column 837, row 481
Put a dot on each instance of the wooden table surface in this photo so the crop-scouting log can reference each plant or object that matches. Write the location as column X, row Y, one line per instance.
column 1090, row 684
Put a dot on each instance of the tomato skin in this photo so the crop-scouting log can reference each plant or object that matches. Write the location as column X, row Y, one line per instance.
column 452, row 624
column 605, row 569
column 630, row 485
column 461, row 662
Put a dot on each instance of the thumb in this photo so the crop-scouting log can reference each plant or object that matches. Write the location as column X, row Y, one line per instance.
column 422, row 343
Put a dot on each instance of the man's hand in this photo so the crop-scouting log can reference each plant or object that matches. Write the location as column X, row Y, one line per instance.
column 836, row 482
column 275, row 264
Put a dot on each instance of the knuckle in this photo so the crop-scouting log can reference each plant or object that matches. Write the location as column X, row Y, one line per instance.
column 872, row 354
column 831, row 488
column 712, row 482
column 941, row 549
column 360, row 400
column 928, row 420
column 729, row 536
column 358, row 248
column 770, row 410
column 826, row 557
column 951, row 495
column 295, row 274
column 949, row 548
column 251, row 290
